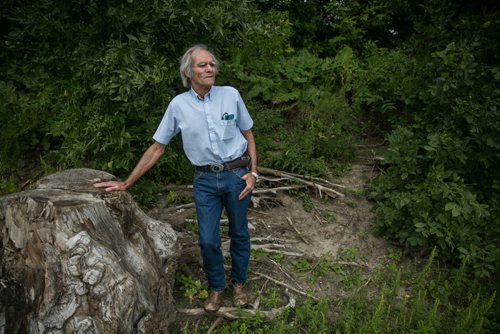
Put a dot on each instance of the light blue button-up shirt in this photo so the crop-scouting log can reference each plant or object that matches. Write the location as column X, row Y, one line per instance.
column 210, row 127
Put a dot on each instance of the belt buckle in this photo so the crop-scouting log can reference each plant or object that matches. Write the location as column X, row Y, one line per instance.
column 216, row 168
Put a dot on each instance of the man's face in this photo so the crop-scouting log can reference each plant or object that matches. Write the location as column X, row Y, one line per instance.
column 204, row 69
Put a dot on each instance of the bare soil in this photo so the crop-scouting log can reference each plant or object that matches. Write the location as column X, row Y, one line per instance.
column 322, row 246
column 313, row 246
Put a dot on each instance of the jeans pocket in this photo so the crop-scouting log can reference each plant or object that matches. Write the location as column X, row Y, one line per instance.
column 240, row 171
column 198, row 174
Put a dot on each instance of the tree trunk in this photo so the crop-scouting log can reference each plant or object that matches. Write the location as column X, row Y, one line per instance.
column 77, row 259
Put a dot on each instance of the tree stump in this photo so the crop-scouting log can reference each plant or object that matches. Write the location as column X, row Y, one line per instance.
column 77, row 259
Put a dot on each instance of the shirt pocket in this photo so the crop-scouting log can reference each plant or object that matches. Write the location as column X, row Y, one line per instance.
column 228, row 128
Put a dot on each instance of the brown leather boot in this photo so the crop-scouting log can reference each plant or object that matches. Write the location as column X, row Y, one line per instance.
column 213, row 302
column 239, row 295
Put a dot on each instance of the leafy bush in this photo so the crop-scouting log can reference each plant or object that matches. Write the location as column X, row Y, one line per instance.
column 303, row 121
column 441, row 185
column 94, row 79
column 423, row 204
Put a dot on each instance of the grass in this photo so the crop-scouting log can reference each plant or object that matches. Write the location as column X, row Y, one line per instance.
column 402, row 297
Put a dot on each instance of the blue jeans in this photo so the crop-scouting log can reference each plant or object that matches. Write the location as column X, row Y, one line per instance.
column 213, row 192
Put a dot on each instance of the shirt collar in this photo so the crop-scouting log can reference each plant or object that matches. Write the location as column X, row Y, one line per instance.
column 208, row 95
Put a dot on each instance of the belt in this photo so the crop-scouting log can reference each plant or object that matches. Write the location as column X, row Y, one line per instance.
column 243, row 161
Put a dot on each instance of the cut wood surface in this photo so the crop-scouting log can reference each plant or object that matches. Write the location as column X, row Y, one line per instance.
column 80, row 259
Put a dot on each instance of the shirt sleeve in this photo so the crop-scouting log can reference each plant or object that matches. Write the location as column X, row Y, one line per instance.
column 244, row 120
column 168, row 127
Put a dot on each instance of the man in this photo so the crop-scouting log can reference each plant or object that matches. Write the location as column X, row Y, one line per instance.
column 216, row 134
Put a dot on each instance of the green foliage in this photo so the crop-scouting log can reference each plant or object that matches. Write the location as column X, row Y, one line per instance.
column 172, row 196
column 95, row 78
column 307, row 203
column 93, row 83
column 313, row 315
column 418, row 301
column 7, row 186
column 322, row 266
column 394, row 254
column 417, row 297
column 145, row 192
column 192, row 288
column 440, row 187
column 385, row 84
column 303, row 122
column 325, row 265
column 331, row 217
column 86, row 83
column 270, row 298
column 425, row 204
column 301, row 265
column 352, row 23
column 192, row 226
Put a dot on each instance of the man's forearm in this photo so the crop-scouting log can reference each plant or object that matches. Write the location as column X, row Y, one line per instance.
column 251, row 149
column 148, row 159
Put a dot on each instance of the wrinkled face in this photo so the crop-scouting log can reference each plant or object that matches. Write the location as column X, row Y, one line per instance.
column 204, row 70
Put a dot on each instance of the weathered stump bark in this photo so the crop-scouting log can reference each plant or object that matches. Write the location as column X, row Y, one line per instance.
column 77, row 259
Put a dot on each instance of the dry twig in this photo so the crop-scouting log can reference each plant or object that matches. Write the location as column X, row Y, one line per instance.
column 296, row 230
column 266, row 259
column 321, row 189
column 269, row 250
column 274, row 190
column 286, row 286
column 179, row 207
column 274, row 242
column 265, row 226
column 215, row 324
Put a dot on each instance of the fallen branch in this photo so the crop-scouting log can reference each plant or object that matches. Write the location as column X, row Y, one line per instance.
column 267, row 259
column 365, row 284
column 269, row 250
column 264, row 246
column 274, row 190
column 260, row 212
column 272, row 242
column 268, row 179
column 326, row 190
column 332, row 193
column 296, row 230
column 321, row 221
column 233, row 313
column 265, row 226
column 215, row 324
column 286, row 286
column 268, row 200
column 286, row 175
column 266, row 239
column 313, row 178
column 222, row 221
column 179, row 207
